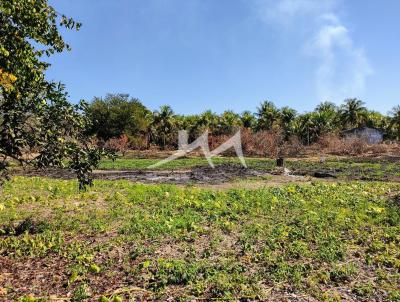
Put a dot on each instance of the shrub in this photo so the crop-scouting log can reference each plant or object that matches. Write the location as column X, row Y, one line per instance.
column 333, row 144
column 214, row 141
column 354, row 146
column 263, row 143
column 118, row 144
column 268, row 143
column 139, row 142
column 378, row 149
column 329, row 141
column 293, row 146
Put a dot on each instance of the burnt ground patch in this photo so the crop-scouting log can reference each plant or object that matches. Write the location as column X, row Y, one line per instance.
column 202, row 174
column 228, row 172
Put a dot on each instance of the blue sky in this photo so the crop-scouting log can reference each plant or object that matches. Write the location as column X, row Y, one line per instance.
column 232, row 54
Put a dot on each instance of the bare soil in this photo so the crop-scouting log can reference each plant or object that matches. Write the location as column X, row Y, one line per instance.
column 201, row 175
column 223, row 176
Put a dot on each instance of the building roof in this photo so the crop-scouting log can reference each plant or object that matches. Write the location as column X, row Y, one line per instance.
column 361, row 129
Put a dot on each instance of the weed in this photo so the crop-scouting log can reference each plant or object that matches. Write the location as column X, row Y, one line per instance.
column 191, row 243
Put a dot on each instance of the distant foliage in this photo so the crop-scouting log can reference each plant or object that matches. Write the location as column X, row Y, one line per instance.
column 117, row 114
column 270, row 131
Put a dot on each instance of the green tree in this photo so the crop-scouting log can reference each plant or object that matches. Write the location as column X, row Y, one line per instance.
column 310, row 126
column 162, row 126
column 248, row 119
column 267, row 115
column 229, row 122
column 375, row 119
column 208, row 120
column 116, row 114
column 286, row 119
column 188, row 123
column 353, row 113
column 395, row 121
column 38, row 125
column 326, row 107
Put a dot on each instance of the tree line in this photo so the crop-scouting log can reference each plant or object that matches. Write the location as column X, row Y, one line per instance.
column 117, row 115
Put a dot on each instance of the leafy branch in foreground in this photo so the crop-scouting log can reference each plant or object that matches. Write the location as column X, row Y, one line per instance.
column 38, row 126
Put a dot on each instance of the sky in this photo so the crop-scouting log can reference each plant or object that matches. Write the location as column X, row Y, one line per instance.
column 196, row 55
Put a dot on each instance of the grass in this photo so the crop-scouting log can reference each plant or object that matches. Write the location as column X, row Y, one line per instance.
column 343, row 168
column 182, row 163
column 121, row 241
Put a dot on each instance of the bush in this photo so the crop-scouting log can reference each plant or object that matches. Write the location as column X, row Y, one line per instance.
column 354, row 146
column 118, row 144
column 139, row 143
column 268, row 143
column 379, row 149
column 329, row 141
column 333, row 144
column 292, row 147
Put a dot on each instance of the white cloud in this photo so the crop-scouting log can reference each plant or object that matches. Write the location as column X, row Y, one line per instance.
column 343, row 67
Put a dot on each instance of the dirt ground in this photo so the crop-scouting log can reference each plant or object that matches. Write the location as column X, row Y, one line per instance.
column 221, row 177
column 200, row 175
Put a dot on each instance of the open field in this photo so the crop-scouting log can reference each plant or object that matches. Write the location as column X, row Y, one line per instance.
column 89, row 212
column 363, row 168
column 195, row 170
column 315, row 242
column 327, row 231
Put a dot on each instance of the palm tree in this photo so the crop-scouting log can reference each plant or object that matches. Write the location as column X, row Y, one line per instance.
column 248, row 119
column 353, row 113
column 326, row 107
column 376, row 119
column 395, row 120
column 312, row 125
column 286, row 118
column 267, row 115
column 305, row 127
column 162, row 125
column 229, row 122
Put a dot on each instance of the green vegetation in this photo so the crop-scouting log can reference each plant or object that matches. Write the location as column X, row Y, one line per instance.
column 38, row 125
column 35, row 115
column 117, row 115
column 121, row 240
column 182, row 163
column 367, row 169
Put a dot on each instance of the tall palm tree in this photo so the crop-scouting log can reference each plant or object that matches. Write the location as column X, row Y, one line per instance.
column 353, row 113
column 326, row 107
column 162, row 125
column 248, row 119
column 312, row 125
column 286, row 118
column 229, row 122
column 208, row 120
column 267, row 115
